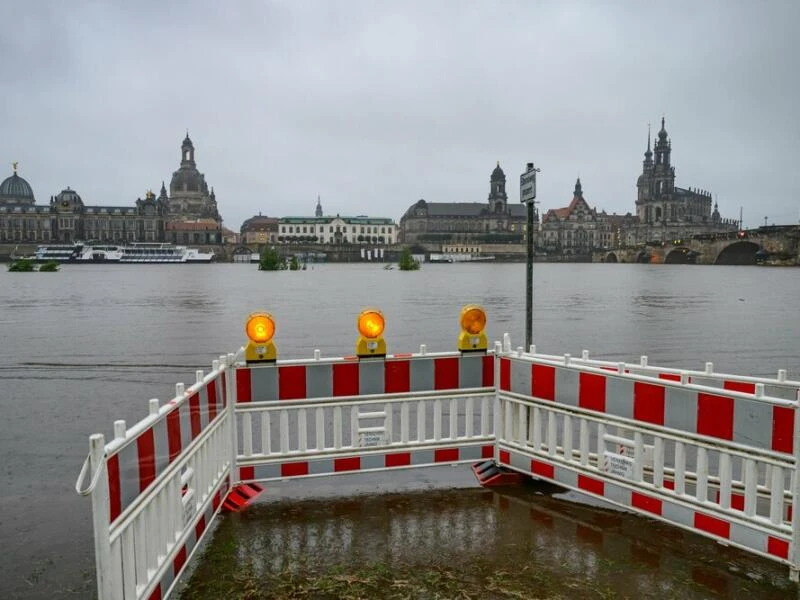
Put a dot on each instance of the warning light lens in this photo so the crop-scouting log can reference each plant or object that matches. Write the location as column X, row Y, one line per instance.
column 260, row 328
column 371, row 323
column 473, row 319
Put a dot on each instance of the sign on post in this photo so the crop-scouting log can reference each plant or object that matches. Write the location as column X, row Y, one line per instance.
column 527, row 184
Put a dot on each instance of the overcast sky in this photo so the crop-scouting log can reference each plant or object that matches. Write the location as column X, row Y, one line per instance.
column 373, row 105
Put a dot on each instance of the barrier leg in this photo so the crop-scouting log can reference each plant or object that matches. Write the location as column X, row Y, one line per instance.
column 100, row 517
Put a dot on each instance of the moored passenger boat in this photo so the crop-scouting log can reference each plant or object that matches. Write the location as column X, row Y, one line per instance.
column 119, row 253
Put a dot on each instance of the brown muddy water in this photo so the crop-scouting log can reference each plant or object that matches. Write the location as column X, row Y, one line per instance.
column 529, row 541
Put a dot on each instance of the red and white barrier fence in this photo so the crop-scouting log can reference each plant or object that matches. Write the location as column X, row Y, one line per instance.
column 714, row 454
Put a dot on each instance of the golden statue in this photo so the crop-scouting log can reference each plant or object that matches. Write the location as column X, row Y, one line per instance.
column 149, row 195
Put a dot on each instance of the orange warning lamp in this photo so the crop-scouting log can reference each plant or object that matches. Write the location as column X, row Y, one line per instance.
column 259, row 329
column 370, row 329
column 473, row 322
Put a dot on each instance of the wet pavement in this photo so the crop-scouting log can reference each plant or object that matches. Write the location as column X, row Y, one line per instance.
column 529, row 541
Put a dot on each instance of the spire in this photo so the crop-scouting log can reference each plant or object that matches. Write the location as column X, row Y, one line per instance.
column 662, row 135
column 578, row 189
column 318, row 211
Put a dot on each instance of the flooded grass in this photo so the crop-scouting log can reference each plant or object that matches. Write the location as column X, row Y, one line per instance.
column 468, row 544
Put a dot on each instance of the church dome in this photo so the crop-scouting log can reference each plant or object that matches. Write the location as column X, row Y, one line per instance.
column 16, row 189
column 498, row 174
column 68, row 199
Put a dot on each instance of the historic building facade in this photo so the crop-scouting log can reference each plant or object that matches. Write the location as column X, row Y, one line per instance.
column 449, row 224
column 188, row 215
column 572, row 230
column 665, row 211
column 189, row 195
column 66, row 219
column 259, row 230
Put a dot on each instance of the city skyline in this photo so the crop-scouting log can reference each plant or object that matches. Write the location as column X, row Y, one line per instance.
column 373, row 108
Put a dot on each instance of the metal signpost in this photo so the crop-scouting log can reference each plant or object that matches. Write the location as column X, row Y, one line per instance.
column 527, row 195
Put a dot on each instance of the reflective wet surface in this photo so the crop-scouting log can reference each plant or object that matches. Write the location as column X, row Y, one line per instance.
column 92, row 343
column 467, row 543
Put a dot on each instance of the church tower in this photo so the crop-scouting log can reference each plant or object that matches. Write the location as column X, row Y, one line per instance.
column 498, row 199
column 189, row 196
column 663, row 173
column 318, row 210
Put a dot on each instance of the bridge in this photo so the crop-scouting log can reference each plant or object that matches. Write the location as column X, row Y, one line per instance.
column 772, row 245
column 714, row 454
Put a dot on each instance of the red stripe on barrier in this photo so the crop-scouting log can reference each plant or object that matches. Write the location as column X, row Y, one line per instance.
column 155, row 594
column 211, row 394
column 487, row 451
column 715, row 416
column 352, row 463
column 648, row 402
column 740, row 386
column 592, row 392
column 712, row 525
column 648, row 503
column 399, row 459
column 216, row 501
column 200, row 527
column 224, row 389
column 543, row 469
column 543, row 382
column 782, row 429
column 777, row 547
column 397, row 376
column 174, row 433
column 114, row 497
column 446, row 454
column 669, row 376
column 736, row 501
column 294, row 469
column 445, row 373
column 194, row 415
column 243, row 386
column 179, row 561
column 590, row 484
column 146, row 451
column 669, row 484
column 505, row 457
column 488, row 371
column 345, row 379
column 247, row 473
column 291, row 382
column 505, row 374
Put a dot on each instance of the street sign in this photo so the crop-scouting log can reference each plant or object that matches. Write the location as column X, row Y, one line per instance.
column 527, row 184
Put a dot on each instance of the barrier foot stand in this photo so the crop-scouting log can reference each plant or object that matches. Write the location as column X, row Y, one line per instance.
column 241, row 496
column 490, row 474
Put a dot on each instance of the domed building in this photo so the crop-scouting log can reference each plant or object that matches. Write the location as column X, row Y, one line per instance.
column 16, row 191
column 189, row 196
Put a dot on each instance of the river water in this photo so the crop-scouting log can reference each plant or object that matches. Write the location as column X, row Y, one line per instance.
column 90, row 344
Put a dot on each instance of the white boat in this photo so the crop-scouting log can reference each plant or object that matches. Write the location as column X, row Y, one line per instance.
column 143, row 253
column 118, row 253
column 456, row 257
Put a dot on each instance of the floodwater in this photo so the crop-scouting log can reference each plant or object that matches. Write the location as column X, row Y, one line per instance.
column 90, row 344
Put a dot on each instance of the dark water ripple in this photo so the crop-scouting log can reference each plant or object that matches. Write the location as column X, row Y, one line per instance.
column 92, row 343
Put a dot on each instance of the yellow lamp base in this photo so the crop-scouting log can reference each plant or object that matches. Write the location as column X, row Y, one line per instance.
column 366, row 347
column 469, row 342
column 254, row 353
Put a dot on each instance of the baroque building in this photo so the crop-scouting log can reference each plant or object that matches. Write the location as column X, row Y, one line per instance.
column 189, row 196
column 668, row 212
column 445, row 224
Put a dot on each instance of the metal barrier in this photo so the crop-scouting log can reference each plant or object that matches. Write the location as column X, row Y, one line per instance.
column 710, row 453
column 721, row 463
column 156, row 487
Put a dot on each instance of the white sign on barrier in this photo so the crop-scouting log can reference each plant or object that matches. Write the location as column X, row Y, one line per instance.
column 370, row 438
column 618, row 465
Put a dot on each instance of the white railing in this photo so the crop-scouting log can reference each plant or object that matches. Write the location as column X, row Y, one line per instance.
column 156, row 486
column 717, row 462
column 711, row 453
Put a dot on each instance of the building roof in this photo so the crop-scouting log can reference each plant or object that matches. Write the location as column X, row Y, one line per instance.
column 15, row 187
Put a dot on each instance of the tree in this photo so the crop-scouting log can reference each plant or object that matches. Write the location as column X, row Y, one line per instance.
column 270, row 260
column 407, row 262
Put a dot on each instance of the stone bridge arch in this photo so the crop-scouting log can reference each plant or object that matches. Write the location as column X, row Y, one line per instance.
column 742, row 252
column 681, row 255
